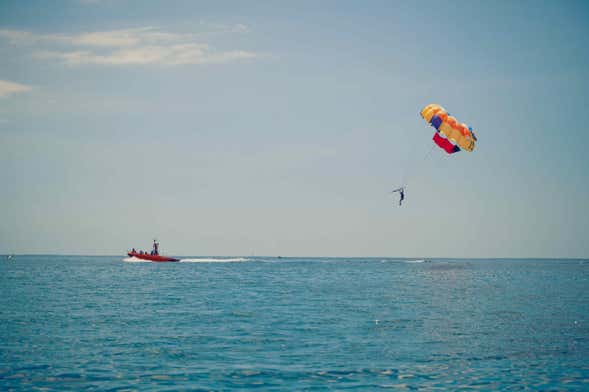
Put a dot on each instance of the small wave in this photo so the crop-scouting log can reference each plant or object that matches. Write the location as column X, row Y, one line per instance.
column 135, row 260
column 213, row 260
column 416, row 261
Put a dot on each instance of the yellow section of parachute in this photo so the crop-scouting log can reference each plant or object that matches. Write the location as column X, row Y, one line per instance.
column 458, row 133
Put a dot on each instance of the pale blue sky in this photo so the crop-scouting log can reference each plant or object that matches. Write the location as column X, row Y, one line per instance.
column 277, row 128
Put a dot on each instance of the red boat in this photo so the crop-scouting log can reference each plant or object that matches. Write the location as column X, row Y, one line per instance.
column 157, row 258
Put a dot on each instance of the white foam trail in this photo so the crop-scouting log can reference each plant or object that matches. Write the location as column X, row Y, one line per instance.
column 135, row 260
column 404, row 261
column 211, row 260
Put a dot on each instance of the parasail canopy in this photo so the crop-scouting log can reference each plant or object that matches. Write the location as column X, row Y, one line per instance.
column 451, row 135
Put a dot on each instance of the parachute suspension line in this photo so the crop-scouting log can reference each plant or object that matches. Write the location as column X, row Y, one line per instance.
column 409, row 166
column 406, row 168
column 410, row 175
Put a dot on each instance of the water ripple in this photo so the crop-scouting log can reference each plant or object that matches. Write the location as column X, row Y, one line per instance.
column 94, row 323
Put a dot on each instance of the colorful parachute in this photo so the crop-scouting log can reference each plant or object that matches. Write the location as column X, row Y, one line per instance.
column 452, row 135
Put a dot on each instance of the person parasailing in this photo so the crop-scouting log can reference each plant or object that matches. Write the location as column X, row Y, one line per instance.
column 450, row 135
column 401, row 194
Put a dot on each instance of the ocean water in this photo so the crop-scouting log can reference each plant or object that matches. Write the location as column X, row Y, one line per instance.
column 99, row 323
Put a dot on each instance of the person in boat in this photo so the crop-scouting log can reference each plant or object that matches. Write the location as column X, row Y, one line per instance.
column 155, row 248
column 133, row 250
column 401, row 194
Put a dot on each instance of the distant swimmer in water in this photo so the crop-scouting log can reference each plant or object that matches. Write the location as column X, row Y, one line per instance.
column 401, row 194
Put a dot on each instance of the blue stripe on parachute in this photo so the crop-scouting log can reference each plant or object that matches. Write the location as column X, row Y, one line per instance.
column 436, row 122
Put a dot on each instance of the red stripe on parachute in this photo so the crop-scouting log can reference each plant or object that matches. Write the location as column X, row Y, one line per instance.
column 445, row 144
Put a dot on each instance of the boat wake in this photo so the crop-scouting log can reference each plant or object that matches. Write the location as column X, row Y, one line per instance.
column 135, row 260
column 215, row 260
column 406, row 261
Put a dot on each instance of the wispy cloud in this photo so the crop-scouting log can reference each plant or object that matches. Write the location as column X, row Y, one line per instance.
column 113, row 38
column 165, row 55
column 7, row 88
column 146, row 45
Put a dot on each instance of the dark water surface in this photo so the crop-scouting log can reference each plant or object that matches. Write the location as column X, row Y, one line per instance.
column 97, row 323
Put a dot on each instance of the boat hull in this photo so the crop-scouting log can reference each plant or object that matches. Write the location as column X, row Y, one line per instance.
column 154, row 258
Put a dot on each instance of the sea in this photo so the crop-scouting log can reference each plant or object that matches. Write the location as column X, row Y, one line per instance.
column 74, row 323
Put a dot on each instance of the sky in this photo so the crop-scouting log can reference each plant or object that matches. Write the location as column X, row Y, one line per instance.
column 279, row 128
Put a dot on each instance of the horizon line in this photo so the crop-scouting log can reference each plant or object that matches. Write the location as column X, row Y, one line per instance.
column 314, row 257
